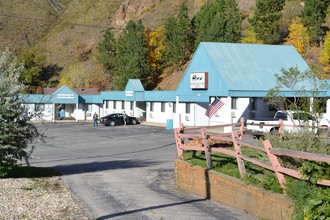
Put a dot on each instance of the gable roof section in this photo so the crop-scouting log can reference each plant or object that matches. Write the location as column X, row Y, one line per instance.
column 252, row 66
column 134, row 85
column 65, row 95
column 246, row 70
column 79, row 91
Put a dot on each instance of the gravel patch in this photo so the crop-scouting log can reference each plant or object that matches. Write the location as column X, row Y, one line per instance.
column 38, row 198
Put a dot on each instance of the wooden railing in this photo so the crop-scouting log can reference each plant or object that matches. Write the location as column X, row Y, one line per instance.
column 201, row 139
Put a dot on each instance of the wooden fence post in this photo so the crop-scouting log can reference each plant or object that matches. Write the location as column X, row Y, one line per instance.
column 240, row 162
column 280, row 130
column 178, row 140
column 242, row 128
column 274, row 162
column 207, row 149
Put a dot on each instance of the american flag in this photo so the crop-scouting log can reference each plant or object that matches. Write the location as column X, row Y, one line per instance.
column 214, row 107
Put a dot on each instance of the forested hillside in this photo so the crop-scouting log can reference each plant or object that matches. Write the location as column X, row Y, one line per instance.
column 98, row 43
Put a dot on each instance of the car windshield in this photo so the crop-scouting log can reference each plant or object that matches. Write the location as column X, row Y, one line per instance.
column 281, row 115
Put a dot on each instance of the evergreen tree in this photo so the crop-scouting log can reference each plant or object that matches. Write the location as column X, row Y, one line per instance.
column 16, row 133
column 218, row 22
column 179, row 38
column 106, row 52
column 266, row 20
column 132, row 57
column 32, row 75
column 233, row 22
column 313, row 17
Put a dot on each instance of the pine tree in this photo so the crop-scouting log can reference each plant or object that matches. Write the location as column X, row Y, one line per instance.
column 313, row 17
column 132, row 57
column 106, row 53
column 325, row 54
column 298, row 36
column 32, row 75
column 16, row 133
column 266, row 18
column 233, row 22
column 218, row 22
column 179, row 38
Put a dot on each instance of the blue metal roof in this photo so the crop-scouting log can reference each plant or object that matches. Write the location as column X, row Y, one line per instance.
column 134, row 85
column 246, row 70
column 36, row 98
column 164, row 96
column 97, row 99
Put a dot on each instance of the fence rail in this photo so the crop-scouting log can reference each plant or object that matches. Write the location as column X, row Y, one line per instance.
column 205, row 139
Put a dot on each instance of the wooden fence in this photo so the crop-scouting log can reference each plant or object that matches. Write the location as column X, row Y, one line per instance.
column 199, row 139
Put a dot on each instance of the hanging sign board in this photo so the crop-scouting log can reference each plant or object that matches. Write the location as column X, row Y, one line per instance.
column 65, row 96
column 129, row 93
column 199, row 80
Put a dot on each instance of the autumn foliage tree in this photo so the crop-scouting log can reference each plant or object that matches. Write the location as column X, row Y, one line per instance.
column 298, row 36
column 156, row 44
column 325, row 54
column 250, row 37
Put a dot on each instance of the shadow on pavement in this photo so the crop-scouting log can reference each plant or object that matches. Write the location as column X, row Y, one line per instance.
column 148, row 208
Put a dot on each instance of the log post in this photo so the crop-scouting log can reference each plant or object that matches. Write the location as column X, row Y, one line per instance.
column 207, row 149
column 275, row 163
column 240, row 162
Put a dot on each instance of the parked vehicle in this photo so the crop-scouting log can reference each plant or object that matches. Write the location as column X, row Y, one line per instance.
column 292, row 121
column 118, row 119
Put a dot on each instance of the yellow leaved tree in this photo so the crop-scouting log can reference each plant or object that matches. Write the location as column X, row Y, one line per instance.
column 250, row 37
column 325, row 54
column 298, row 36
column 156, row 45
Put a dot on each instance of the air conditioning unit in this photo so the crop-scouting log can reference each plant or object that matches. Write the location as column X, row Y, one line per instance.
column 151, row 115
column 187, row 118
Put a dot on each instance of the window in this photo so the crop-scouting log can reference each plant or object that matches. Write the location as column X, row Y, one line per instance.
column 152, row 106
column 123, row 105
column 89, row 107
column 132, row 105
column 234, row 102
column 188, row 108
column 162, row 107
column 174, row 107
column 253, row 103
column 106, row 104
column 114, row 104
column 39, row 107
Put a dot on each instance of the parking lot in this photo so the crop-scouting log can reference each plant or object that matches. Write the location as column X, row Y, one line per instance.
column 123, row 172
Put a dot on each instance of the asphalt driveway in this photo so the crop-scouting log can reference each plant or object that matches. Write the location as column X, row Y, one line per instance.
column 123, row 172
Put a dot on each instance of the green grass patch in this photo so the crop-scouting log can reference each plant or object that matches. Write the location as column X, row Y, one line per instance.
column 225, row 164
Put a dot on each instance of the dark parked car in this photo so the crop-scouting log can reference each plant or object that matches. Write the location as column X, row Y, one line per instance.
column 118, row 119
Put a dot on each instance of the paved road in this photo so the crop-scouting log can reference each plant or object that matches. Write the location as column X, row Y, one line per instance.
column 123, row 172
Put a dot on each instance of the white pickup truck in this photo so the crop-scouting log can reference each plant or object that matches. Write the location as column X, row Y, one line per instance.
column 292, row 121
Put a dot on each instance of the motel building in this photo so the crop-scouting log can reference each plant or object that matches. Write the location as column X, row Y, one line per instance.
column 240, row 75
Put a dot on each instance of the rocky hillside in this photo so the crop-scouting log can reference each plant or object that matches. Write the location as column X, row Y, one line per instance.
column 67, row 31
